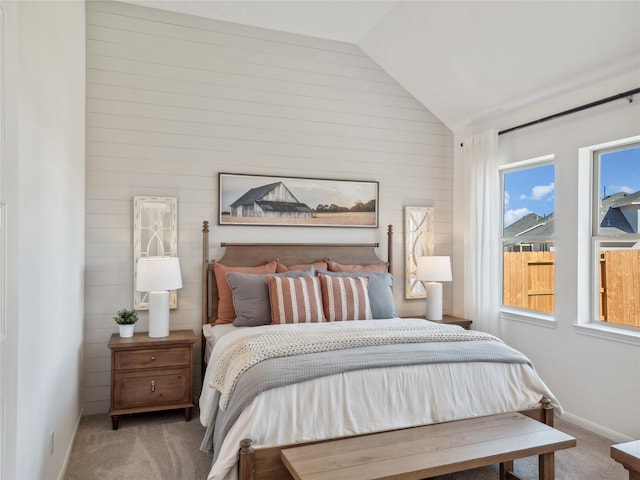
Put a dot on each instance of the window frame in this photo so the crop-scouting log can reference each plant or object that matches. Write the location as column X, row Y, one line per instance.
column 508, row 312
column 588, row 322
column 597, row 237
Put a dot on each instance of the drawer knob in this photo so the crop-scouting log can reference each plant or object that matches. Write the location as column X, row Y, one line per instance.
column 153, row 385
column 153, row 358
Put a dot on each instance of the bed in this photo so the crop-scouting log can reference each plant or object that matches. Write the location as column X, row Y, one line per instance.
column 363, row 379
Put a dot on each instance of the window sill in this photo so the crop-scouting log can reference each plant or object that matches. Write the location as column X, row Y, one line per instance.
column 526, row 316
column 602, row 330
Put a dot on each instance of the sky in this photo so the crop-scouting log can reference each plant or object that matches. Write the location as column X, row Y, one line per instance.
column 533, row 190
column 620, row 172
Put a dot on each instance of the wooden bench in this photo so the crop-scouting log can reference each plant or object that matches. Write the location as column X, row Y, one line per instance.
column 427, row 451
column 628, row 454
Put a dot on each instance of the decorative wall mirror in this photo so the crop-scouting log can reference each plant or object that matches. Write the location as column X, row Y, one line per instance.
column 155, row 234
column 419, row 241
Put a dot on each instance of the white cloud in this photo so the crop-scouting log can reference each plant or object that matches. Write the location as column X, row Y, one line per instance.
column 540, row 191
column 512, row 216
column 620, row 188
column 507, row 198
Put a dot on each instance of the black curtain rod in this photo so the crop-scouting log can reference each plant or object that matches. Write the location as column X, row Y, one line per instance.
column 628, row 95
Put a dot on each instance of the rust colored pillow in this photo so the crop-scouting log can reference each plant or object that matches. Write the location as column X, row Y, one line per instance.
column 345, row 298
column 226, row 312
column 295, row 300
column 319, row 265
column 374, row 267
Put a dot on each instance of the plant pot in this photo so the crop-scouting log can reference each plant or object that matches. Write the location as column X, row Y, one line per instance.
column 126, row 330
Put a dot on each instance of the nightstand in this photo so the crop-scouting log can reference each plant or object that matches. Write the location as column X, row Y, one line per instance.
column 151, row 374
column 463, row 322
column 450, row 319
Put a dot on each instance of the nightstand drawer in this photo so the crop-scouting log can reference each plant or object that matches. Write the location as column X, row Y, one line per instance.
column 152, row 358
column 143, row 388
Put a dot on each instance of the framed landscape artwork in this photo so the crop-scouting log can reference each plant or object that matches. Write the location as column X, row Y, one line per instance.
column 292, row 201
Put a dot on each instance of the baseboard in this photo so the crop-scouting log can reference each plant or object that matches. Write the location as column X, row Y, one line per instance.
column 63, row 470
column 617, row 437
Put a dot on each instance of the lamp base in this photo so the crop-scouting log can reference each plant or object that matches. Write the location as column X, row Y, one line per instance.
column 159, row 314
column 434, row 301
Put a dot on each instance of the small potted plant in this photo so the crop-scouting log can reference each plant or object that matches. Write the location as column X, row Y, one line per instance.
column 126, row 320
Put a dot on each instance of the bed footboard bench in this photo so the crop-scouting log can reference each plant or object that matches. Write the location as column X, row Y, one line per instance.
column 431, row 450
column 266, row 463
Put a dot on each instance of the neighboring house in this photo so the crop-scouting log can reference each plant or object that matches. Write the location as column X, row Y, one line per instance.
column 620, row 213
column 531, row 225
column 272, row 200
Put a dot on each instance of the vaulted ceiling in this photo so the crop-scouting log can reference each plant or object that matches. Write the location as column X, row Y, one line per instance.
column 464, row 60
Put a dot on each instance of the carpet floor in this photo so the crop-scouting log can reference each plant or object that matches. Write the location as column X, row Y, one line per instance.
column 162, row 446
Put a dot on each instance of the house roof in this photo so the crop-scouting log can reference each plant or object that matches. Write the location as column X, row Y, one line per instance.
column 269, row 206
column 613, row 220
column 254, row 194
column 531, row 225
column 623, row 199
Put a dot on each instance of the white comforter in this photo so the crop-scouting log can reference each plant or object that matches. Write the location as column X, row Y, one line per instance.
column 350, row 403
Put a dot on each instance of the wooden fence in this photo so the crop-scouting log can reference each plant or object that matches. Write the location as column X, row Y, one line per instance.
column 529, row 283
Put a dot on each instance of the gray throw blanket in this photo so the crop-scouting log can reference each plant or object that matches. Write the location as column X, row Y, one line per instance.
column 280, row 371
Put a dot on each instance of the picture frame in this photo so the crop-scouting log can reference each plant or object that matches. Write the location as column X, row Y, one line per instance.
column 296, row 201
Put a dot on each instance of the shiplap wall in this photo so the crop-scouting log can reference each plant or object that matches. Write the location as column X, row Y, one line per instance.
column 172, row 100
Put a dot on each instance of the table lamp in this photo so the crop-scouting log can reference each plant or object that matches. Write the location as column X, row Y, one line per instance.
column 431, row 270
column 158, row 275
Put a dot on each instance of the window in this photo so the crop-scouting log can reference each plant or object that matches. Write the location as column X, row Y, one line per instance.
column 527, row 235
column 616, row 235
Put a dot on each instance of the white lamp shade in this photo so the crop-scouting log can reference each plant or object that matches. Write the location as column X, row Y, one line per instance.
column 158, row 273
column 433, row 269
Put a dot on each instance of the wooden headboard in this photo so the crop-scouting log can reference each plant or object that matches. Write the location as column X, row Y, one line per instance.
column 252, row 254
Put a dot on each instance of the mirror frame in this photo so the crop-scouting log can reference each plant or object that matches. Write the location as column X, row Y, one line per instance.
column 155, row 234
column 419, row 241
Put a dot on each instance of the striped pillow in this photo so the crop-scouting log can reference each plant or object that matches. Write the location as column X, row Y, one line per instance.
column 345, row 298
column 295, row 300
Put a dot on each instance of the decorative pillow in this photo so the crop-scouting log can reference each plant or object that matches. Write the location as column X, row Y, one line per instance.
column 380, row 291
column 295, row 300
column 320, row 265
column 226, row 312
column 250, row 294
column 345, row 298
column 375, row 267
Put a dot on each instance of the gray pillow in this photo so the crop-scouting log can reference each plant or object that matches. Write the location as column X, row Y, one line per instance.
column 250, row 295
column 380, row 291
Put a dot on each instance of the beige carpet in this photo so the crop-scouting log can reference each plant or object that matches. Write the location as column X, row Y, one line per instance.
column 163, row 446
column 149, row 446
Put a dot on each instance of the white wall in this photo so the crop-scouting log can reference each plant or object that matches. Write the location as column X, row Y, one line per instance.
column 597, row 380
column 172, row 100
column 43, row 186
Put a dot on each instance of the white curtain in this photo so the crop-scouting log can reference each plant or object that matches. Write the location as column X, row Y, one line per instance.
column 482, row 277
